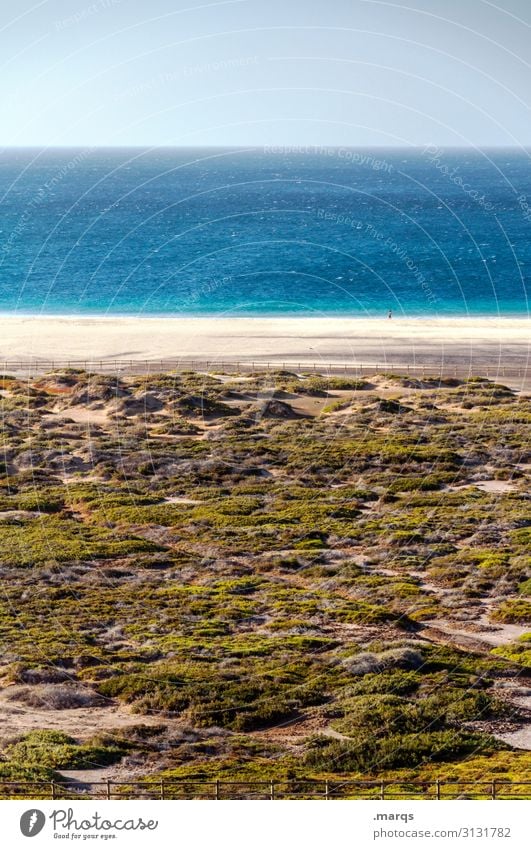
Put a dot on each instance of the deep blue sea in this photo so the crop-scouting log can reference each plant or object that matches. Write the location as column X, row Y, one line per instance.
column 265, row 232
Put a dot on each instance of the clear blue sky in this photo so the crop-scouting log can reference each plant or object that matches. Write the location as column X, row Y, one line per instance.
column 274, row 72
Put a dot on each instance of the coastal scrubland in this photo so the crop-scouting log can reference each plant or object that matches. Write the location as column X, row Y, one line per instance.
column 259, row 575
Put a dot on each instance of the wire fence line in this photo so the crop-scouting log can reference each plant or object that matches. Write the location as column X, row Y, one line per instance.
column 483, row 368
column 272, row 789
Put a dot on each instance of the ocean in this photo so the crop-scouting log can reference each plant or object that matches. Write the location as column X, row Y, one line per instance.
column 272, row 231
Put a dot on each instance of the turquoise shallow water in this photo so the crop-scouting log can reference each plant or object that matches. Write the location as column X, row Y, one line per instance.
column 265, row 232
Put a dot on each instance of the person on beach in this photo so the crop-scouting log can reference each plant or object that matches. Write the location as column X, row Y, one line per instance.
column 390, row 314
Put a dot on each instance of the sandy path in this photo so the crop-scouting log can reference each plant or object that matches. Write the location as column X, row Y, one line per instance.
column 80, row 414
column 81, row 723
column 500, row 635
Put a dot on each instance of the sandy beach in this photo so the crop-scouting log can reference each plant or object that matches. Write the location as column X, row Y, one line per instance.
column 492, row 341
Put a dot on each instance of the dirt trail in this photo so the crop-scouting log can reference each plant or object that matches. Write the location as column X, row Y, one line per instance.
column 483, row 638
column 17, row 719
column 481, row 642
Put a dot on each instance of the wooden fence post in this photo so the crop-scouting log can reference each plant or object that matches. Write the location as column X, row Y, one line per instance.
column 108, row 788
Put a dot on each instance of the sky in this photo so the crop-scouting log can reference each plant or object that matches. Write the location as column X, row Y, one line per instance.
column 265, row 72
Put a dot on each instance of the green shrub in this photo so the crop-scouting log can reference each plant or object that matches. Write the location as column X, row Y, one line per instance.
column 513, row 610
column 370, row 755
column 62, row 540
column 55, row 750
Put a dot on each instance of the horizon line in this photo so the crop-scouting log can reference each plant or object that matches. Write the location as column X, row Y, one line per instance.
column 523, row 147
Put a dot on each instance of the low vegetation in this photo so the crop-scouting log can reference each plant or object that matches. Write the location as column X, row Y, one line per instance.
column 280, row 575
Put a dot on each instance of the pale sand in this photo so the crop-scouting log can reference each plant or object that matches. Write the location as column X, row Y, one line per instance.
column 504, row 341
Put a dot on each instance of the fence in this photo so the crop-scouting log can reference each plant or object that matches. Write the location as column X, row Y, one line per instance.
column 484, row 368
column 168, row 789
